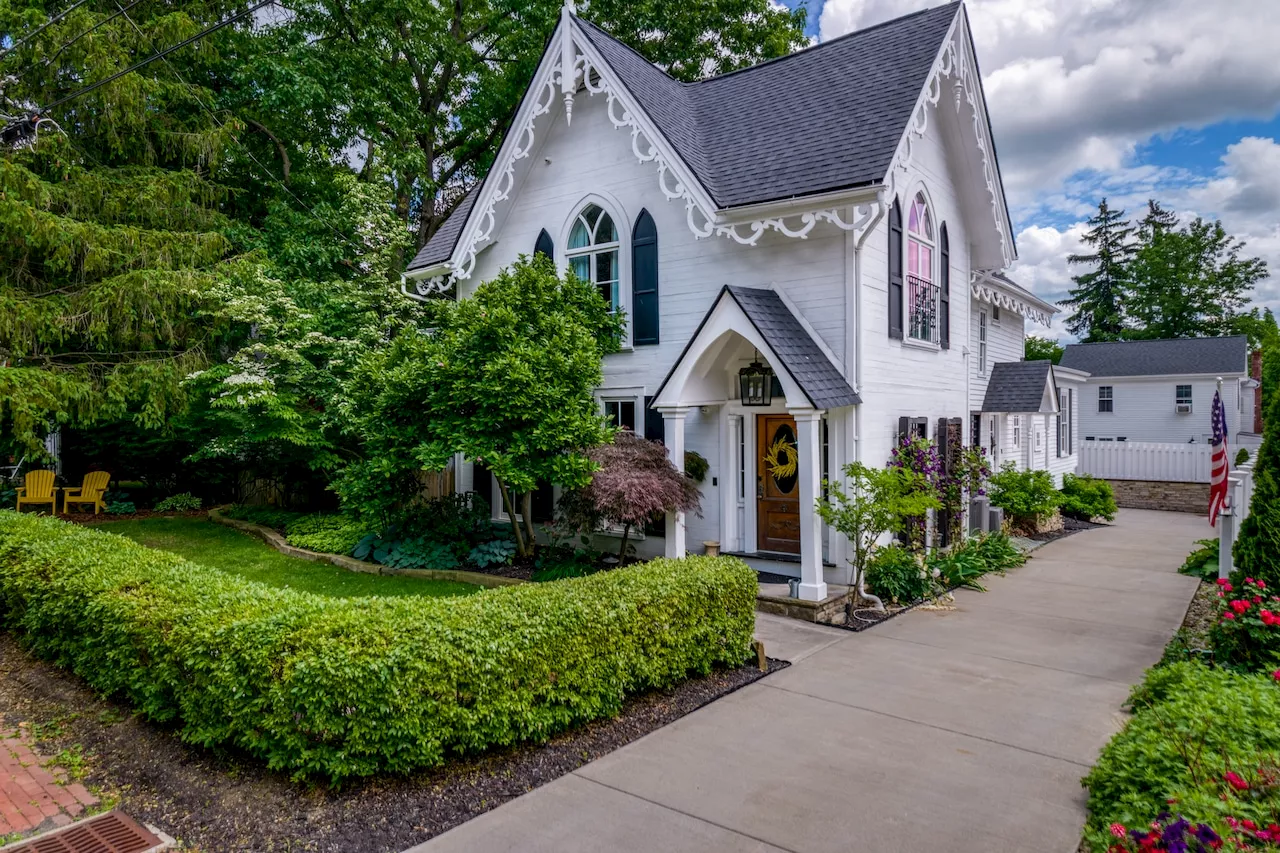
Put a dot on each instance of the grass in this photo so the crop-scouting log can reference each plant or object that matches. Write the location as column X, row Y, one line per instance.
column 237, row 553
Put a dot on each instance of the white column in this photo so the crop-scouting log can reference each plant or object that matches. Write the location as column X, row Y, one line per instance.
column 1228, row 528
column 673, row 436
column 809, row 435
column 837, row 438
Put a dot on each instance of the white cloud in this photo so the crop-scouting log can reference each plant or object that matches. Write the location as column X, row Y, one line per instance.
column 1078, row 84
column 1076, row 87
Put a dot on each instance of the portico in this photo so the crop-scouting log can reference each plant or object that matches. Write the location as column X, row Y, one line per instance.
column 773, row 447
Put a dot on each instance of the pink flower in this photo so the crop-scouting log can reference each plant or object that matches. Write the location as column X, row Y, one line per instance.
column 1248, row 824
column 1228, row 587
column 1276, row 675
column 1235, row 781
column 1261, row 585
column 1248, row 580
column 1257, row 599
column 1221, row 581
column 1228, row 615
column 1240, row 605
column 1117, row 829
column 1268, row 618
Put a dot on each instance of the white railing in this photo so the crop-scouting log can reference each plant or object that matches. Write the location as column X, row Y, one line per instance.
column 1141, row 460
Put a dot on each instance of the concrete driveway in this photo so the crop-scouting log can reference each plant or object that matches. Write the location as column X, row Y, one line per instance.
column 960, row 731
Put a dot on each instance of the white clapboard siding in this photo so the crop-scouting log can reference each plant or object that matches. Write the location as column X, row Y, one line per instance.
column 1141, row 460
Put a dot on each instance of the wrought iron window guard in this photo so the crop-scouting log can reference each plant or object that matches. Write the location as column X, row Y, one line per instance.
column 922, row 307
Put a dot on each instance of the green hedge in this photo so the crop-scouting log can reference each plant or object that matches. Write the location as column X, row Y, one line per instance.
column 353, row 687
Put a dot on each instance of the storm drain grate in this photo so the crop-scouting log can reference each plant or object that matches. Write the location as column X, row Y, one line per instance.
column 113, row 832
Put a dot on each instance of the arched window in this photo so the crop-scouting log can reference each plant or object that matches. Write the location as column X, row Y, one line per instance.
column 922, row 290
column 644, row 280
column 593, row 251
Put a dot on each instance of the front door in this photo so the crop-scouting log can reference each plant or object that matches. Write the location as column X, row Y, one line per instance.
column 777, row 484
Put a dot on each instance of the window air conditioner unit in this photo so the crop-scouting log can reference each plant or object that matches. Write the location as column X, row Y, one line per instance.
column 1183, row 408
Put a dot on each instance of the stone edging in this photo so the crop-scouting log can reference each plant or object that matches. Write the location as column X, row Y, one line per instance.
column 275, row 540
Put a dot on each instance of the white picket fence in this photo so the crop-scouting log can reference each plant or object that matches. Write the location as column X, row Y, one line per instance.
column 1142, row 460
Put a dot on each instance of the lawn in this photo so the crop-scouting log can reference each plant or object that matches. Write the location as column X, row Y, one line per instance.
column 237, row 553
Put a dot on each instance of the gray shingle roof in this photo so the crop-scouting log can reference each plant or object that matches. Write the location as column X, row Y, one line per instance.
column 798, row 352
column 826, row 118
column 1017, row 386
column 819, row 120
column 1180, row 357
column 440, row 246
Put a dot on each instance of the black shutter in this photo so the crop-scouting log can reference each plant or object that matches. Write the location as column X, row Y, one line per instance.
column 545, row 245
column 944, row 288
column 904, row 428
column 644, row 280
column 895, row 271
column 653, row 427
column 544, row 503
column 482, row 485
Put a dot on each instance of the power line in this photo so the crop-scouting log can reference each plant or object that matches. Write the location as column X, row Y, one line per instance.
column 38, row 30
column 161, row 55
column 77, row 38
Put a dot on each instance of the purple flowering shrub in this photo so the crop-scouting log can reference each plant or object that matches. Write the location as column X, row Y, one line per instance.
column 953, row 486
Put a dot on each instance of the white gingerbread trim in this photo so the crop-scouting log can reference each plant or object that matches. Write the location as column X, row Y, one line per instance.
column 992, row 290
column 957, row 63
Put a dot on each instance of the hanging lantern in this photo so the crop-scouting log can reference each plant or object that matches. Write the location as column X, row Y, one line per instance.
column 755, row 384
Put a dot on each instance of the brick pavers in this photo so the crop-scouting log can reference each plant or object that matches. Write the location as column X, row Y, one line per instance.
column 33, row 795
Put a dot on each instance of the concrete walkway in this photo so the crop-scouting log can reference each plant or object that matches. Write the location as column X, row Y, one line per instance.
column 959, row 731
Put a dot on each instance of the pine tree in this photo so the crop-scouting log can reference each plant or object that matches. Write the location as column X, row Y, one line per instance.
column 1098, row 299
column 1257, row 549
column 111, row 237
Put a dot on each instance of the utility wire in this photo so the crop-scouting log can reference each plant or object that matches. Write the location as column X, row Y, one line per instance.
column 161, row 55
column 38, row 30
column 196, row 95
column 77, row 38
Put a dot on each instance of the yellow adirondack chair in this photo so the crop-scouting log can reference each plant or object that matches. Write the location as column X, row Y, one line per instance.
column 90, row 492
column 37, row 488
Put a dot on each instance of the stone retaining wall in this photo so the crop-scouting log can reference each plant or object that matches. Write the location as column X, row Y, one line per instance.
column 1152, row 494
column 275, row 540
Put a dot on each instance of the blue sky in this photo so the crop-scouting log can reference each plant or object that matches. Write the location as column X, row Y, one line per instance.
column 1111, row 97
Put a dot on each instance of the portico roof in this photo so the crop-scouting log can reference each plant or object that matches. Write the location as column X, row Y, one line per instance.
column 790, row 348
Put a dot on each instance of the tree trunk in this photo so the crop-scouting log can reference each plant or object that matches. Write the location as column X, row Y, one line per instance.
column 528, row 521
column 521, row 549
column 622, row 549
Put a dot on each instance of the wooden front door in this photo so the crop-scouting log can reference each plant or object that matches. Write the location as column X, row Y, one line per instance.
column 777, row 484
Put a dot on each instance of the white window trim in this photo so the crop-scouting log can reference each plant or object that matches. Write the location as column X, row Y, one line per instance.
column 1015, row 426
column 1110, row 398
column 622, row 222
column 932, row 277
column 983, row 335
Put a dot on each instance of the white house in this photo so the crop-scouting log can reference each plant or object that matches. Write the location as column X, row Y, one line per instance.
column 1161, row 391
column 828, row 228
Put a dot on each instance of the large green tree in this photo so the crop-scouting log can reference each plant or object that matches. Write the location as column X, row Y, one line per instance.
column 114, row 236
column 423, row 91
column 1098, row 299
column 1190, row 282
column 505, row 377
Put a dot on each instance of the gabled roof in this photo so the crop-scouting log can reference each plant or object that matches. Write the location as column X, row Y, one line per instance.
column 1176, row 357
column 791, row 346
column 822, row 119
column 440, row 246
column 1018, row 386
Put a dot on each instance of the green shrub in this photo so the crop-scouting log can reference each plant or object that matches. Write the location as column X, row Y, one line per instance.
column 894, row 574
column 345, row 687
column 563, row 570
column 327, row 533
column 184, row 502
column 997, row 552
column 961, row 566
column 696, row 465
column 1203, row 562
column 1026, row 496
column 1242, row 456
column 1086, row 498
column 1245, row 634
column 267, row 516
column 498, row 552
column 1192, row 725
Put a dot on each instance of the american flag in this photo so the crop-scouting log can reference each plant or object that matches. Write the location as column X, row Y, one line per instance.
column 1218, row 465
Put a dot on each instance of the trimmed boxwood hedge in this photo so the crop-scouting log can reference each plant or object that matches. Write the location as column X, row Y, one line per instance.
column 354, row 687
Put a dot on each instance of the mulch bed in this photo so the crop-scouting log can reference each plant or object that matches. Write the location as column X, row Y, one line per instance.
column 1192, row 639
column 90, row 518
column 218, row 802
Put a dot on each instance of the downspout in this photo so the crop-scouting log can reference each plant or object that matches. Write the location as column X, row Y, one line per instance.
column 859, row 240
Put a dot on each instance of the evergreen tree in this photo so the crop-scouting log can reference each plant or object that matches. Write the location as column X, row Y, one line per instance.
column 1098, row 299
column 111, row 232
column 1257, row 549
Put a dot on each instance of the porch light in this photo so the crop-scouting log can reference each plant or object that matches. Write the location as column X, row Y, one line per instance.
column 755, row 384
